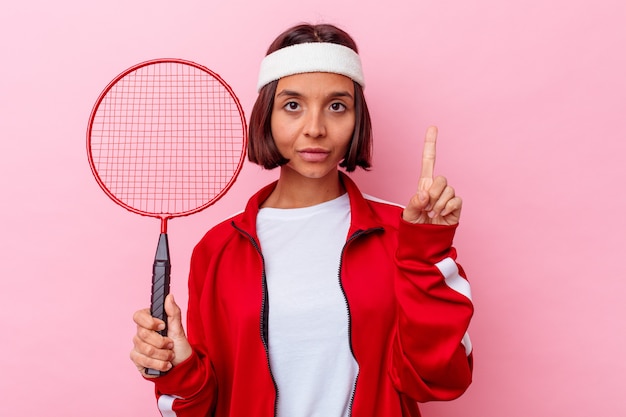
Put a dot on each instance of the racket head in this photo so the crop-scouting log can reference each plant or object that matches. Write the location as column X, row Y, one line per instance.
column 166, row 138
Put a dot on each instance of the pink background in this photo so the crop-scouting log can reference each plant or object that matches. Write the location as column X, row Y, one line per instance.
column 529, row 97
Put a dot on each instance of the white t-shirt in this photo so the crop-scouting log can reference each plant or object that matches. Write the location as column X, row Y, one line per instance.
column 309, row 344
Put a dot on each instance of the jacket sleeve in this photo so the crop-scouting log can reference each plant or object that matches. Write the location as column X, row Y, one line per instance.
column 189, row 389
column 431, row 356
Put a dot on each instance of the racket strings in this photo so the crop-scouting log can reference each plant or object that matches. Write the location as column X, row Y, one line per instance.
column 167, row 139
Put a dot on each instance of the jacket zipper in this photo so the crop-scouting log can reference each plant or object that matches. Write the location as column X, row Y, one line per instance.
column 354, row 236
column 263, row 320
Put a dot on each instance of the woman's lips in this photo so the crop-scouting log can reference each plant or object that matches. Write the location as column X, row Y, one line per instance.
column 313, row 155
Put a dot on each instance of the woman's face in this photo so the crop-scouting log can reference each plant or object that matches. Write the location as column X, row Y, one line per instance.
column 312, row 122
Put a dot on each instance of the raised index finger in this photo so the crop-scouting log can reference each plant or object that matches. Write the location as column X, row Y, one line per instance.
column 429, row 153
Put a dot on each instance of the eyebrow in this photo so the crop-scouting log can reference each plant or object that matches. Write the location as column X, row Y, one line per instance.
column 335, row 94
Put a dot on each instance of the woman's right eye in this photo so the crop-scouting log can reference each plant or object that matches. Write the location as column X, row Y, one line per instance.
column 292, row 106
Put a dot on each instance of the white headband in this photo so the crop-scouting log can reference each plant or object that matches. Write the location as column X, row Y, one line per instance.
column 311, row 57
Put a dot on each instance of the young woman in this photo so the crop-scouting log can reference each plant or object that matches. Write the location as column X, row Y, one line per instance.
column 317, row 300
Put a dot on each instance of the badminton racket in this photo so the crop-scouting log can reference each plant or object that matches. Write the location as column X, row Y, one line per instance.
column 166, row 138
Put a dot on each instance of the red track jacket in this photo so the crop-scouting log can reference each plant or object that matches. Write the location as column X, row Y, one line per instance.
column 408, row 302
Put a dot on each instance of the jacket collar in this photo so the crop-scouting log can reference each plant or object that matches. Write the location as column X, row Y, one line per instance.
column 362, row 216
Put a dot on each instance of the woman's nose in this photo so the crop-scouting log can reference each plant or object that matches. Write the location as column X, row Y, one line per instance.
column 315, row 125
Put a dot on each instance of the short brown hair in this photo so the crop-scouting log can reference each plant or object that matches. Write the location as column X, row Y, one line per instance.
column 261, row 147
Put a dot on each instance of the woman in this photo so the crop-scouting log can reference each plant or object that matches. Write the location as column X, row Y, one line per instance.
column 317, row 300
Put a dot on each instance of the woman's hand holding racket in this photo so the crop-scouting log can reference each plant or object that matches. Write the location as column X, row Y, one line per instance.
column 435, row 202
column 153, row 351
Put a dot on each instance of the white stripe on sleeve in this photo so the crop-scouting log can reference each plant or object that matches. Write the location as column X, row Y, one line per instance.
column 166, row 405
column 467, row 343
column 455, row 281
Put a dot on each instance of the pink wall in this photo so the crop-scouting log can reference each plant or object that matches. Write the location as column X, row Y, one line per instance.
column 529, row 96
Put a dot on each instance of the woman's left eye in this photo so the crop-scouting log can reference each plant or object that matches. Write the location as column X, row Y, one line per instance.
column 337, row 107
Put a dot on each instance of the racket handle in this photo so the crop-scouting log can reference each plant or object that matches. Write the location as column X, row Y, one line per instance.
column 160, row 287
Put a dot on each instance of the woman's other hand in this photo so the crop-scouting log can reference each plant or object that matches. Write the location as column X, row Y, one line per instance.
column 435, row 201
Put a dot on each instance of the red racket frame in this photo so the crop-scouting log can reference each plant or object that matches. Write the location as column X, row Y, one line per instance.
column 162, row 217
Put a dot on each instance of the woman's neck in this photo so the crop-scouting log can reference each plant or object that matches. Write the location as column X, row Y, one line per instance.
column 295, row 191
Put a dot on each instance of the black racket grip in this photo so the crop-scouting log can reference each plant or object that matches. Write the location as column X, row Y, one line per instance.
column 160, row 287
